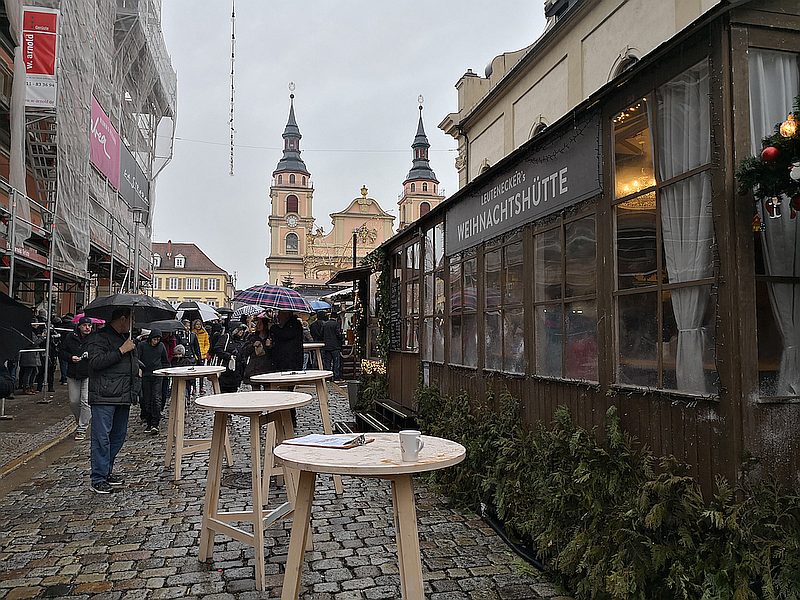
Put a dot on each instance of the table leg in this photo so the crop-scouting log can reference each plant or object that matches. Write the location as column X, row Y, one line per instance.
column 180, row 417
column 322, row 397
column 258, row 500
column 405, row 522
column 319, row 358
column 178, row 390
column 214, row 379
column 212, row 485
column 269, row 460
column 301, row 528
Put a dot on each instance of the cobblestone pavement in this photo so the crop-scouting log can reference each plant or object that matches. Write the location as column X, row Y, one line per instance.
column 59, row 539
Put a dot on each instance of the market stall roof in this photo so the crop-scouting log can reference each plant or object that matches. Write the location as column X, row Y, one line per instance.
column 354, row 274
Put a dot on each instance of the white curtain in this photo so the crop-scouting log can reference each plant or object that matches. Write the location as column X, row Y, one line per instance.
column 774, row 82
column 684, row 143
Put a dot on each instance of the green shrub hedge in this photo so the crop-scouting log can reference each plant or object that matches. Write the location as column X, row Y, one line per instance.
column 609, row 519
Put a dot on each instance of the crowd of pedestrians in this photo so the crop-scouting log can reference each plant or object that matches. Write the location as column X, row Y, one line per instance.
column 110, row 368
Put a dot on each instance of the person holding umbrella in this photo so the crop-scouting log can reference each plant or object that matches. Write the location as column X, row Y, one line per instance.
column 114, row 385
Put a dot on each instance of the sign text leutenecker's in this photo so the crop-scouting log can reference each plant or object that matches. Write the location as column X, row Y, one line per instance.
column 560, row 172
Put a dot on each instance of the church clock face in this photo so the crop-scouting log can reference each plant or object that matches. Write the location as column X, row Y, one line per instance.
column 291, row 221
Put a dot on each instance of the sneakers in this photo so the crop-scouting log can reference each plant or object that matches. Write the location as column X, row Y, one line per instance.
column 101, row 487
column 153, row 430
column 114, row 480
column 80, row 436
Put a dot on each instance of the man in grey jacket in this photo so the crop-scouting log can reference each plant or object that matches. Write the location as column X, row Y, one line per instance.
column 114, row 384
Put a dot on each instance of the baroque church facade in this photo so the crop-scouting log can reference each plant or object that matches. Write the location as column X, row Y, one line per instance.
column 301, row 252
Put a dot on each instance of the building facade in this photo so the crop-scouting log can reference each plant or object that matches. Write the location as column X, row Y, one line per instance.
column 90, row 126
column 599, row 252
column 301, row 253
column 182, row 271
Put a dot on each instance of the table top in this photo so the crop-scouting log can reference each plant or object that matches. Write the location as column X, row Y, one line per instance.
column 312, row 345
column 380, row 457
column 193, row 371
column 290, row 377
column 253, row 402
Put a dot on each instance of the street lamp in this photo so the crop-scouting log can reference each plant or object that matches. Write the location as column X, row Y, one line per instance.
column 138, row 219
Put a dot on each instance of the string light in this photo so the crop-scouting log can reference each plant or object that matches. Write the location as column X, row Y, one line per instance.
column 233, row 61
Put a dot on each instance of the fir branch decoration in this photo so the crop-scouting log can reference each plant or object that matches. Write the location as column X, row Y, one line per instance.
column 770, row 178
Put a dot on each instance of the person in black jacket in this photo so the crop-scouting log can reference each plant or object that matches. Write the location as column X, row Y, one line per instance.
column 227, row 348
column 73, row 351
column 287, row 342
column 256, row 355
column 153, row 356
column 114, row 384
column 333, row 338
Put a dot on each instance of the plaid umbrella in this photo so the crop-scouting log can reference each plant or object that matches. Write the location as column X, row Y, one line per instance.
column 274, row 296
column 250, row 310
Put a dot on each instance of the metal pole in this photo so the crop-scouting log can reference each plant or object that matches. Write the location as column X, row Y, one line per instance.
column 111, row 260
column 136, row 255
column 12, row 242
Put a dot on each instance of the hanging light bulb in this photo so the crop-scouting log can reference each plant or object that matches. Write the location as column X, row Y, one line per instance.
column 789, row 126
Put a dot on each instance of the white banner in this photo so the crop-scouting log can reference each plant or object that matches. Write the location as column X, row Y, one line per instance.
column 39, row 50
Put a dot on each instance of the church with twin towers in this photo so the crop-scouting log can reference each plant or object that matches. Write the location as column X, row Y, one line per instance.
column 301, row 252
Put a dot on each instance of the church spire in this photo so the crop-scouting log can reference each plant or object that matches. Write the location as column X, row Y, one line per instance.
column 291, row 160
column 421, row 168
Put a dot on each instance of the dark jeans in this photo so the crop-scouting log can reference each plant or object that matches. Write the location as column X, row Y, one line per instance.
column 151, row 400
column 108, row 431
column 332, row 361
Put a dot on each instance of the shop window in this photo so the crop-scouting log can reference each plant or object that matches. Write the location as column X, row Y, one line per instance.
column 665, row 313
column 292, row 204
column 464, row 310
column 565, row 300
column 434, row 297
column 291, row 243
column 411, row 296
column 504, row 316
column 777, row 260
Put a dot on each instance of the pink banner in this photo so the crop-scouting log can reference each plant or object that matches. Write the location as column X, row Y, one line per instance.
column 105, row 145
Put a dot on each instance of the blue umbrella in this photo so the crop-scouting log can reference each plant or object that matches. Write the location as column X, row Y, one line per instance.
column 319, row 305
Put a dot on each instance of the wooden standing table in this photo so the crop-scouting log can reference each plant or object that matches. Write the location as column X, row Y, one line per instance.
column 260, row 407
column 317, row 347
column 282, row 379
column 177, row 414
column 380, row 459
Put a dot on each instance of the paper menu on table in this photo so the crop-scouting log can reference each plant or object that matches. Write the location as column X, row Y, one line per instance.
column 329, row 441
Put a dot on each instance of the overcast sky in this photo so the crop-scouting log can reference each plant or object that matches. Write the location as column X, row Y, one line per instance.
column 358, row 67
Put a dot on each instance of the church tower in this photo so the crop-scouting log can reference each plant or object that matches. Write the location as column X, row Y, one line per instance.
column 421, row 188
column 290, row 219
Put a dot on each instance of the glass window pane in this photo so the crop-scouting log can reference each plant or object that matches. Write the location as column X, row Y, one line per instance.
column 416, row 256
column 438, row 234
column 471, row 275
column 581, row 242
column 456, row 302
column 548, row 340
column 494, row 340
column 492, row 280
column 633, row 154
column 770, row 340
column 410, row 257
column 514, row 340
column 638, row 338
column 429, row 257
column 514, row 273
column 438, row 339
column 471, row 340
column 427, row 346
column 688, row 334
column 439, row 294
column 581, row 350
column 456, row 355
column 429, row 294
column 636, row 243
column 547, row 249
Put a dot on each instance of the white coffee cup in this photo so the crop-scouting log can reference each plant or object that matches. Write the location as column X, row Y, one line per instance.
column 410, row 444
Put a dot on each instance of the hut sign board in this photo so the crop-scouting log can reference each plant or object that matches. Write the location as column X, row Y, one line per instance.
column 548, row 177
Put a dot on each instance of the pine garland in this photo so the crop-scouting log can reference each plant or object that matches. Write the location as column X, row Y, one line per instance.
column 771, row 179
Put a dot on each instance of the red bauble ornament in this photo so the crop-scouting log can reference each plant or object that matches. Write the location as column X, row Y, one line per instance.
column 770, row 154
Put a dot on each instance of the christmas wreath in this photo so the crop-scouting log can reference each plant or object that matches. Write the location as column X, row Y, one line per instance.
column 776, row 172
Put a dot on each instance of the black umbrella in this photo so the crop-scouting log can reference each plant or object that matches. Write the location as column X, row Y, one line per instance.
column 224, row 310
column 15, row 327
column 166, row 325
column 145, row 308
